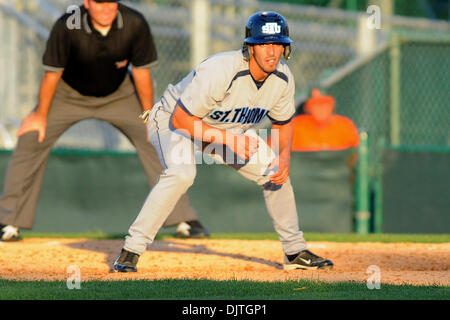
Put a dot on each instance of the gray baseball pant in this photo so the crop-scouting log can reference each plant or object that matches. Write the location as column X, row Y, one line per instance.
column 176, row 153
column 26, row 168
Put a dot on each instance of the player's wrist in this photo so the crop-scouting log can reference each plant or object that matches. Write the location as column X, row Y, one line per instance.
column 40, row 114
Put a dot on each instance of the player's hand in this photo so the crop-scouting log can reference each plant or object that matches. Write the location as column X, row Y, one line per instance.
column 34, row 122
column 281, row 176
column 243, row 146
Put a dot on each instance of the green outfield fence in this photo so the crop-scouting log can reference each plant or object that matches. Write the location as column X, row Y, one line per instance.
column 98, row 191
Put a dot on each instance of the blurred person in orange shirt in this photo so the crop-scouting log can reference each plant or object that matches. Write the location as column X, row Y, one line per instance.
column 320, row 129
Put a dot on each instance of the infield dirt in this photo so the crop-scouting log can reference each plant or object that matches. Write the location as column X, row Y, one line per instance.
column 256, row 260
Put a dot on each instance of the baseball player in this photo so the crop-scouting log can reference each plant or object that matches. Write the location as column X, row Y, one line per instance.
column 216, row 105
column 86, row 76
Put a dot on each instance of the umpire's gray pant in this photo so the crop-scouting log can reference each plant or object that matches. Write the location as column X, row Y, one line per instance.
column 23, row 181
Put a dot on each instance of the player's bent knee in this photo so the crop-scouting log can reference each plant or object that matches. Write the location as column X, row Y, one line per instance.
column 184, row 175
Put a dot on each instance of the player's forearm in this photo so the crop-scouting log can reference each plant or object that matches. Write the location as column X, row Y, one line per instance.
column 144, row 87
column 196, row 128
column 244, row 146
column 47, row 91
column 285, row 136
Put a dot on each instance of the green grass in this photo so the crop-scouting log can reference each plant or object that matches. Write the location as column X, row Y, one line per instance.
column 387, row 238
column 215, row 290
column 228, row 290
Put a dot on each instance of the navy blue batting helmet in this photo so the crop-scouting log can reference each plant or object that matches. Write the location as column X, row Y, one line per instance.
column 268, row 27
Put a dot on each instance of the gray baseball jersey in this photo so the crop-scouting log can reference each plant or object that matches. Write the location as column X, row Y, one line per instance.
column 222, row 92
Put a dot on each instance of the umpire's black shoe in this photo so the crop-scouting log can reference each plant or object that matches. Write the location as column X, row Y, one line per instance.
column 191, row 229
column 126, row 262
column 306, row 260
column 9, row 233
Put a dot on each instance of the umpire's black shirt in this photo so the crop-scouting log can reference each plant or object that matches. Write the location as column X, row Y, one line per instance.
column 93, row 64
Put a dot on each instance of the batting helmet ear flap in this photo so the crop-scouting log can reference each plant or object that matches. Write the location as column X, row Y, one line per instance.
column 246, row 52
column 287, row 51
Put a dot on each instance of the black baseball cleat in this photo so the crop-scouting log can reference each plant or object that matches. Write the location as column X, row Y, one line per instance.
column 126, row 262
column 191, row 229
column 9, row 233
column 306, row 260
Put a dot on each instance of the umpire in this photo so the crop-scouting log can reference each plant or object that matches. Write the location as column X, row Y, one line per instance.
column 87, row 76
